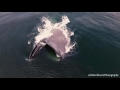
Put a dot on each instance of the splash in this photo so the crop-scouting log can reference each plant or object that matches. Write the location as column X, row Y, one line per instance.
column 45, row 31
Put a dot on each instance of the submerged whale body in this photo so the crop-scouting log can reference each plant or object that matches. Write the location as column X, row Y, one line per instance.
column 57, row 41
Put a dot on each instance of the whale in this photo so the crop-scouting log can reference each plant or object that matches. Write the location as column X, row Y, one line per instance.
column 57, row 41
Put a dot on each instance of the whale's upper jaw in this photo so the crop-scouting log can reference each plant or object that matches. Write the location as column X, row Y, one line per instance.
column 57, row 41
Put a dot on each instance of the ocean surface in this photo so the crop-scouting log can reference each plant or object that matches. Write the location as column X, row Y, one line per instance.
column 97, row 35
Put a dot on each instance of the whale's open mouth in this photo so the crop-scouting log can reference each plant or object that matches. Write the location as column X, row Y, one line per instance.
column 57, row 41
column 38, row 48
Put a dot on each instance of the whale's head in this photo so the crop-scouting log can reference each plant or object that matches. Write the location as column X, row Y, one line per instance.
column 38, row 47
column 57, row 42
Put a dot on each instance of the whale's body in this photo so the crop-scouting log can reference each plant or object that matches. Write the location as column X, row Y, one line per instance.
column 57, row 41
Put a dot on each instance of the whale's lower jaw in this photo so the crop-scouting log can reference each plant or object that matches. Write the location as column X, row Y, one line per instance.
column 35, row 51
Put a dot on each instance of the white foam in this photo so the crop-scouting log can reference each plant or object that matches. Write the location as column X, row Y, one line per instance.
column 48, row 26
column 29, row 60
column 29, row 42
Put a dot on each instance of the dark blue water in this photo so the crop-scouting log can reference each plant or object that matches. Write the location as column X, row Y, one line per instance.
column 98, row 45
